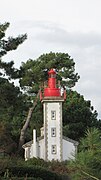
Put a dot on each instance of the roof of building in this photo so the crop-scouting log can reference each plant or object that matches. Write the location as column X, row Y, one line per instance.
column 28, row 144
column 71, row 140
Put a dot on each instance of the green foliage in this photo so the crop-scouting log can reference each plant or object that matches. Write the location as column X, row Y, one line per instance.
column 54, row 166
column 32, row 172
column 7, row 143
column 8, row 44
column 34, row 72
column 87, row 163
column 13, row 108
column 19, row 168
column 37, row 118
column 12, row 101
column 78, row 115
column 92, row 140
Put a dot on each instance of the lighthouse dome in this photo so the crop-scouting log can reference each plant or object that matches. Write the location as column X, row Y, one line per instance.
column 51, row 90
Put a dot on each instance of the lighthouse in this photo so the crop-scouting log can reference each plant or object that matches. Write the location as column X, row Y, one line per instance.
column 51, row 145
column 52, row 113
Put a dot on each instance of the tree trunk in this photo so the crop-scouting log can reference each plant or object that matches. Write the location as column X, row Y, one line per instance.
column 25, row 126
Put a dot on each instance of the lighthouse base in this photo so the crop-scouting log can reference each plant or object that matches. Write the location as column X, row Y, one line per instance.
column 69, row 147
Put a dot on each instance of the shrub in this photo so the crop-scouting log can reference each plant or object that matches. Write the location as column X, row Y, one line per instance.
column 35, row 171
column 33, row 168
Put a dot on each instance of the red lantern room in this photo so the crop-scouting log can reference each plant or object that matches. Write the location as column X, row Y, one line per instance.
column 51, row 90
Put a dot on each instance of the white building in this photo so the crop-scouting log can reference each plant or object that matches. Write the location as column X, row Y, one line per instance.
column 51, row 145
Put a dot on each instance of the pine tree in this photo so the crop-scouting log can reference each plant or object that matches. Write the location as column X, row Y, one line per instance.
column 6, row 45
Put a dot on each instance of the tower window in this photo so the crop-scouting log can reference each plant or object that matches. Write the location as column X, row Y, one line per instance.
column 53, row 149
column 53, row 132
column 53, row 115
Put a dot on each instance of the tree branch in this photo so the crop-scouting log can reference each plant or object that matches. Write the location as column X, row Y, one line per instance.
column 25, row 126
column 93, row 177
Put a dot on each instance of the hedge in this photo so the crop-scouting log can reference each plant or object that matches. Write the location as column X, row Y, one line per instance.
column 18, row 169
column 36, row 171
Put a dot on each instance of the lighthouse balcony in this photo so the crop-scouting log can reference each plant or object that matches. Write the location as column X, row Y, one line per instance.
column 54, row 94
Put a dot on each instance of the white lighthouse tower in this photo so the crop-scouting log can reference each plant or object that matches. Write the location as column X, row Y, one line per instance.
column 52, row 110
column 51, row 145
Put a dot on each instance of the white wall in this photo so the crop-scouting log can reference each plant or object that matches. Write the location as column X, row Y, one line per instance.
column 41, row 149
column 54, row 124
column 68, row 150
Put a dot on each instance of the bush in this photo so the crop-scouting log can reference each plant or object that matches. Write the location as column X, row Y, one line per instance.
column 33, row 172
column 34, row 168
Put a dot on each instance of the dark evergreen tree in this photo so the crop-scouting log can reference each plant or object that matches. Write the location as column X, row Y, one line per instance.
column 78, row 115
column 35, row 72
column 8, row 44
column 87, row 163
column 12, row 101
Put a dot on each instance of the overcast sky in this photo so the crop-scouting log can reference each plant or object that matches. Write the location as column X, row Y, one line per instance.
column 70, row 26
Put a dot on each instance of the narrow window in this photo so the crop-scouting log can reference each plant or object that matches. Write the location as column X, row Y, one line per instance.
column 53, row 115
column 53, row 149
column 53, row 132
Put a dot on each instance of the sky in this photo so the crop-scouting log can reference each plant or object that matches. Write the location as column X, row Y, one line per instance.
column 67, row 26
